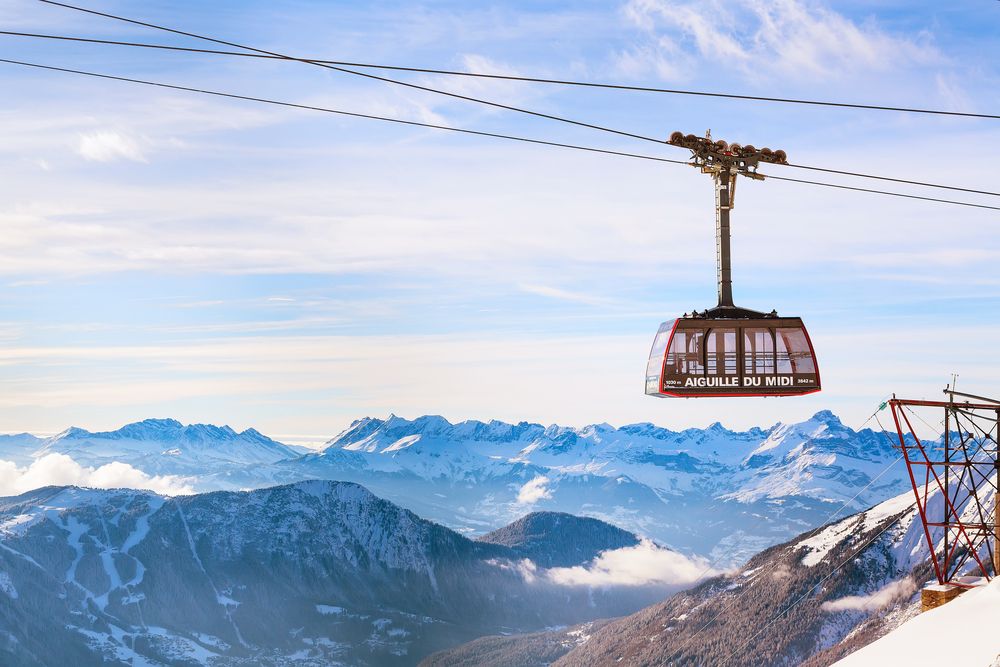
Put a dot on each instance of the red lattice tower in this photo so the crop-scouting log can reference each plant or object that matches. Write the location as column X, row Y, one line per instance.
column 955, row 481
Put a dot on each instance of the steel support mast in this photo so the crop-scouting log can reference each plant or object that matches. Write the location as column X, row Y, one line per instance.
column 725, row 162
column 725, row 191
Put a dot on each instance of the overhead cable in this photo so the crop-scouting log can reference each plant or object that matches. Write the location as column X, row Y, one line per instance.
column 531, row 79
column 337, row 68
column 327, row 64
column 448, row 128
column 310, row 107
column 879, row 192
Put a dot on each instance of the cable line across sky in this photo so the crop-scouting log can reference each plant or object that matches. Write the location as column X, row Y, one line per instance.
column 550, row 117
column 496, row 135
column 593, row 126
column 374, row 77
column 530, row 79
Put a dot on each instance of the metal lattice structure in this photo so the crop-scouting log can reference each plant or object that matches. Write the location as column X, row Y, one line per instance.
column 955, row 479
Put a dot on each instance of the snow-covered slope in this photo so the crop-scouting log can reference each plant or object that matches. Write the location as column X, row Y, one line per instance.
column 958, row 633
column 781, row 608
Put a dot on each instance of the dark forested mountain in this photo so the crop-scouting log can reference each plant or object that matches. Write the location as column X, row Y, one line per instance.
column 314, row 573
column 557, row 539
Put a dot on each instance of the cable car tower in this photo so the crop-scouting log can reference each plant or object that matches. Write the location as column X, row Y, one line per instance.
column 728, row 350
column 956, row 484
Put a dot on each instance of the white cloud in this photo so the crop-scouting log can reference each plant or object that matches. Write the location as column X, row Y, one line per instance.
column 641, row 565
column 563, row 295
column 793, row 38
column 661, row 58
column 895, row 590
column 526, row 568
column 534, row 491
column 109, row 146
column 60, row 469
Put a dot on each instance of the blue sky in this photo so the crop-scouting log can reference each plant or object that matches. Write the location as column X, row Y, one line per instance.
column 168, row 254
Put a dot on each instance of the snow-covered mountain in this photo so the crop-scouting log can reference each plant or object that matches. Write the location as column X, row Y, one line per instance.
column 322, row 572
column 18, row 447
column 707, row 491
column 715, row 492
column 165, row 446
column 315, row 573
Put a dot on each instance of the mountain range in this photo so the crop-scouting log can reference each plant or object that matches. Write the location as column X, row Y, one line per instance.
column 327, row 573
column 314, row 573
column 810, row 601
column 714, row 492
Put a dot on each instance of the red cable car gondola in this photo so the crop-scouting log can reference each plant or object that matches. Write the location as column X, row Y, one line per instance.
column 727, row 350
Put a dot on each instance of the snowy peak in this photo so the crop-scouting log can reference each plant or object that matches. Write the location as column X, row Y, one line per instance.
column 395, row 433
column 372, row 435
column 827, row 417
column 817, row 461
column 164, row 430
column 561, row 445
column 359, row 430
column 823, row 431
column 497, row 431
column 152, row 429
column 648, row 430
column 169, row 438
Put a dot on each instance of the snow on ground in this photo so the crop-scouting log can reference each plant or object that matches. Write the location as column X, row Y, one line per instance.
column 329, row 610
column 908, row 543
column 952, row 634
column 819, row 545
